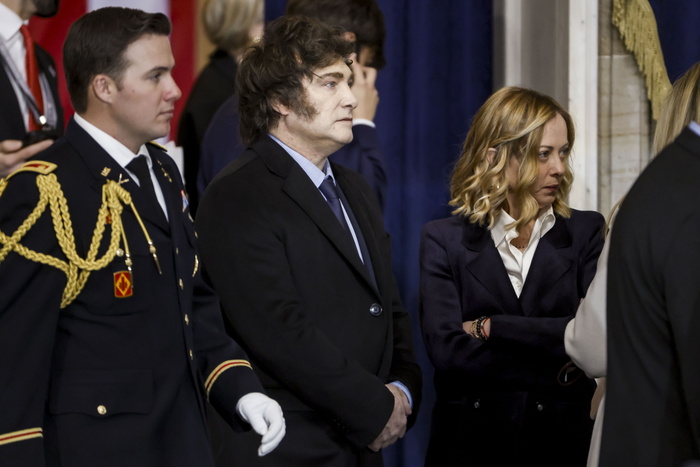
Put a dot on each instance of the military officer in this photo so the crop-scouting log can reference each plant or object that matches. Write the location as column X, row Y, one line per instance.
column 114, row 344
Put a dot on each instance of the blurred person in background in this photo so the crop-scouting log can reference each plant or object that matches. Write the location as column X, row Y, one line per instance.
column 31, row 116
column 232, row 26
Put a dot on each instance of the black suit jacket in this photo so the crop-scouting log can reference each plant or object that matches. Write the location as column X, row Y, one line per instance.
column 110, row 381
column 11, row 120
column 652, row 408
column 504, row 395
column 324, row 338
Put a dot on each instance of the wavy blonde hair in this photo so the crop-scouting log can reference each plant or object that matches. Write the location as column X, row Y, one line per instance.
column 227, row 23
column 680, row 107
column 512, row 122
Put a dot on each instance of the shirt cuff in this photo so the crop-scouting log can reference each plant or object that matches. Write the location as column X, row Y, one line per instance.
column 405, row 390
column 363, row 121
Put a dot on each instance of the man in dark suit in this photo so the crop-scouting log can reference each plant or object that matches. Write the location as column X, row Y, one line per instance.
column 25, row 63
column 652, row 408
column 114, row 344
column 296, row 248
column 363, row 23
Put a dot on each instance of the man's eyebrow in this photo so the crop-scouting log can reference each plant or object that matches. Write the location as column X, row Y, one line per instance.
column 330, row 74
column 159, row 69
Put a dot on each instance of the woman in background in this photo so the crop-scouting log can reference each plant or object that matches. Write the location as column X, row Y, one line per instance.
column 500, row 280
column 586, row 335
column 231, row 25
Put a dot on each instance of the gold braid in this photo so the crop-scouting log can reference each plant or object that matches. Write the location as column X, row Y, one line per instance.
column 77, row 269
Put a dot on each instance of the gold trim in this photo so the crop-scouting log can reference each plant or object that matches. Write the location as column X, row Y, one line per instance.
column 41, row 167
column 220, row 369
column 21, row 435
column 637, row 25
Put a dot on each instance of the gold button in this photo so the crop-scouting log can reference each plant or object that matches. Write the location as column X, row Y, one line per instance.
column 101, row 409
column 177, row 251
column 182, row 284
column 187, row 320
column 191, row 355
column 119, row 252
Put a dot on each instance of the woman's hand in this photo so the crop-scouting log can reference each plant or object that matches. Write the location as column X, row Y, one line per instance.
column 470, row 328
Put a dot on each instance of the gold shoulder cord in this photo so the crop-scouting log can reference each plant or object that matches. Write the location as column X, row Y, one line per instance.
column 77, row 269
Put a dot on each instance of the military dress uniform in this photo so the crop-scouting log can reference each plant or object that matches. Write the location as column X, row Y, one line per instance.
column 111, row 341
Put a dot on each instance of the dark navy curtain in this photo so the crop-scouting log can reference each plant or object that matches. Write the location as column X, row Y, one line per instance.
column 438, row 74
column 679, row 33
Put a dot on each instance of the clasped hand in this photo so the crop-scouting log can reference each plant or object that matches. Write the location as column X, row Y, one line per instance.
column 396, row 426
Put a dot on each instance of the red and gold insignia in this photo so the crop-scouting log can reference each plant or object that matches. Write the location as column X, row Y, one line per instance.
column 123, row 287
column 40, row 167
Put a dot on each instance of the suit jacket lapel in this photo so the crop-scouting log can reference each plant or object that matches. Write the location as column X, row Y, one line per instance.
column 352, row 197
column 484, row 262
column 103, row 167
column 552, row 259
column 300, row 188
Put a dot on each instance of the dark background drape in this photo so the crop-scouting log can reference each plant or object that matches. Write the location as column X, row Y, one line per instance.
column 438, row 73
column 679, row 33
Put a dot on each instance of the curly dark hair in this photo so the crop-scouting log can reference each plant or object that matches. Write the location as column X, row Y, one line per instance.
column 273, row 71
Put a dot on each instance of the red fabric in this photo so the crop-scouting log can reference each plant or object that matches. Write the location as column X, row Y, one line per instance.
column 32, row 76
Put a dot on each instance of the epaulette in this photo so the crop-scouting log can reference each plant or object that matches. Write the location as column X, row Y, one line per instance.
column 158, row 145
column 40, row 167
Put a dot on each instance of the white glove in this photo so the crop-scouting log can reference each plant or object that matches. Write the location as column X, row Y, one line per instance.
column 265, row 416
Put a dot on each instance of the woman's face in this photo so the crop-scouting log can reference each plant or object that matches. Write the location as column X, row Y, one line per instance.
column 551, row 163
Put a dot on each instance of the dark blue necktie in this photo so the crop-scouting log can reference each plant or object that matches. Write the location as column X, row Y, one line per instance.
column 139, row 166
column 330, row 191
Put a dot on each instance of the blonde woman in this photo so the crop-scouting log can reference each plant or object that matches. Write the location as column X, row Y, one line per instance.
column 232, row 26
column 500, row 280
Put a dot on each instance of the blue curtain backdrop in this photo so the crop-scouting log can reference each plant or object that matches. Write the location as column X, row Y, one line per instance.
column 677, row 22
column 438, row 74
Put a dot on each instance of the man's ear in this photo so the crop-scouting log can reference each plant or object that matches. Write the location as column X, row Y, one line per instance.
column 281, row 109
column 103, row 88
column 491, row 155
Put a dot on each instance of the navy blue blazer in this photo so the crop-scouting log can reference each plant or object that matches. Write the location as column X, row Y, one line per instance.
column 222, row 144
column 113, row 379
column 490, row 392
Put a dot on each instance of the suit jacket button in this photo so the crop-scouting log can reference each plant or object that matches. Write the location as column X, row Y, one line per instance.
column 375, row 309
column 540, row 407
column 101, row 409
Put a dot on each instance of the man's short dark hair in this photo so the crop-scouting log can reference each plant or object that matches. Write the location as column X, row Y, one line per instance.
column 361, row 17
column 273, row 71
column 96, row 43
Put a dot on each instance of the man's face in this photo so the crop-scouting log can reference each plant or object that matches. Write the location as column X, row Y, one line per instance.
column 146, row 93
column 322, row 123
